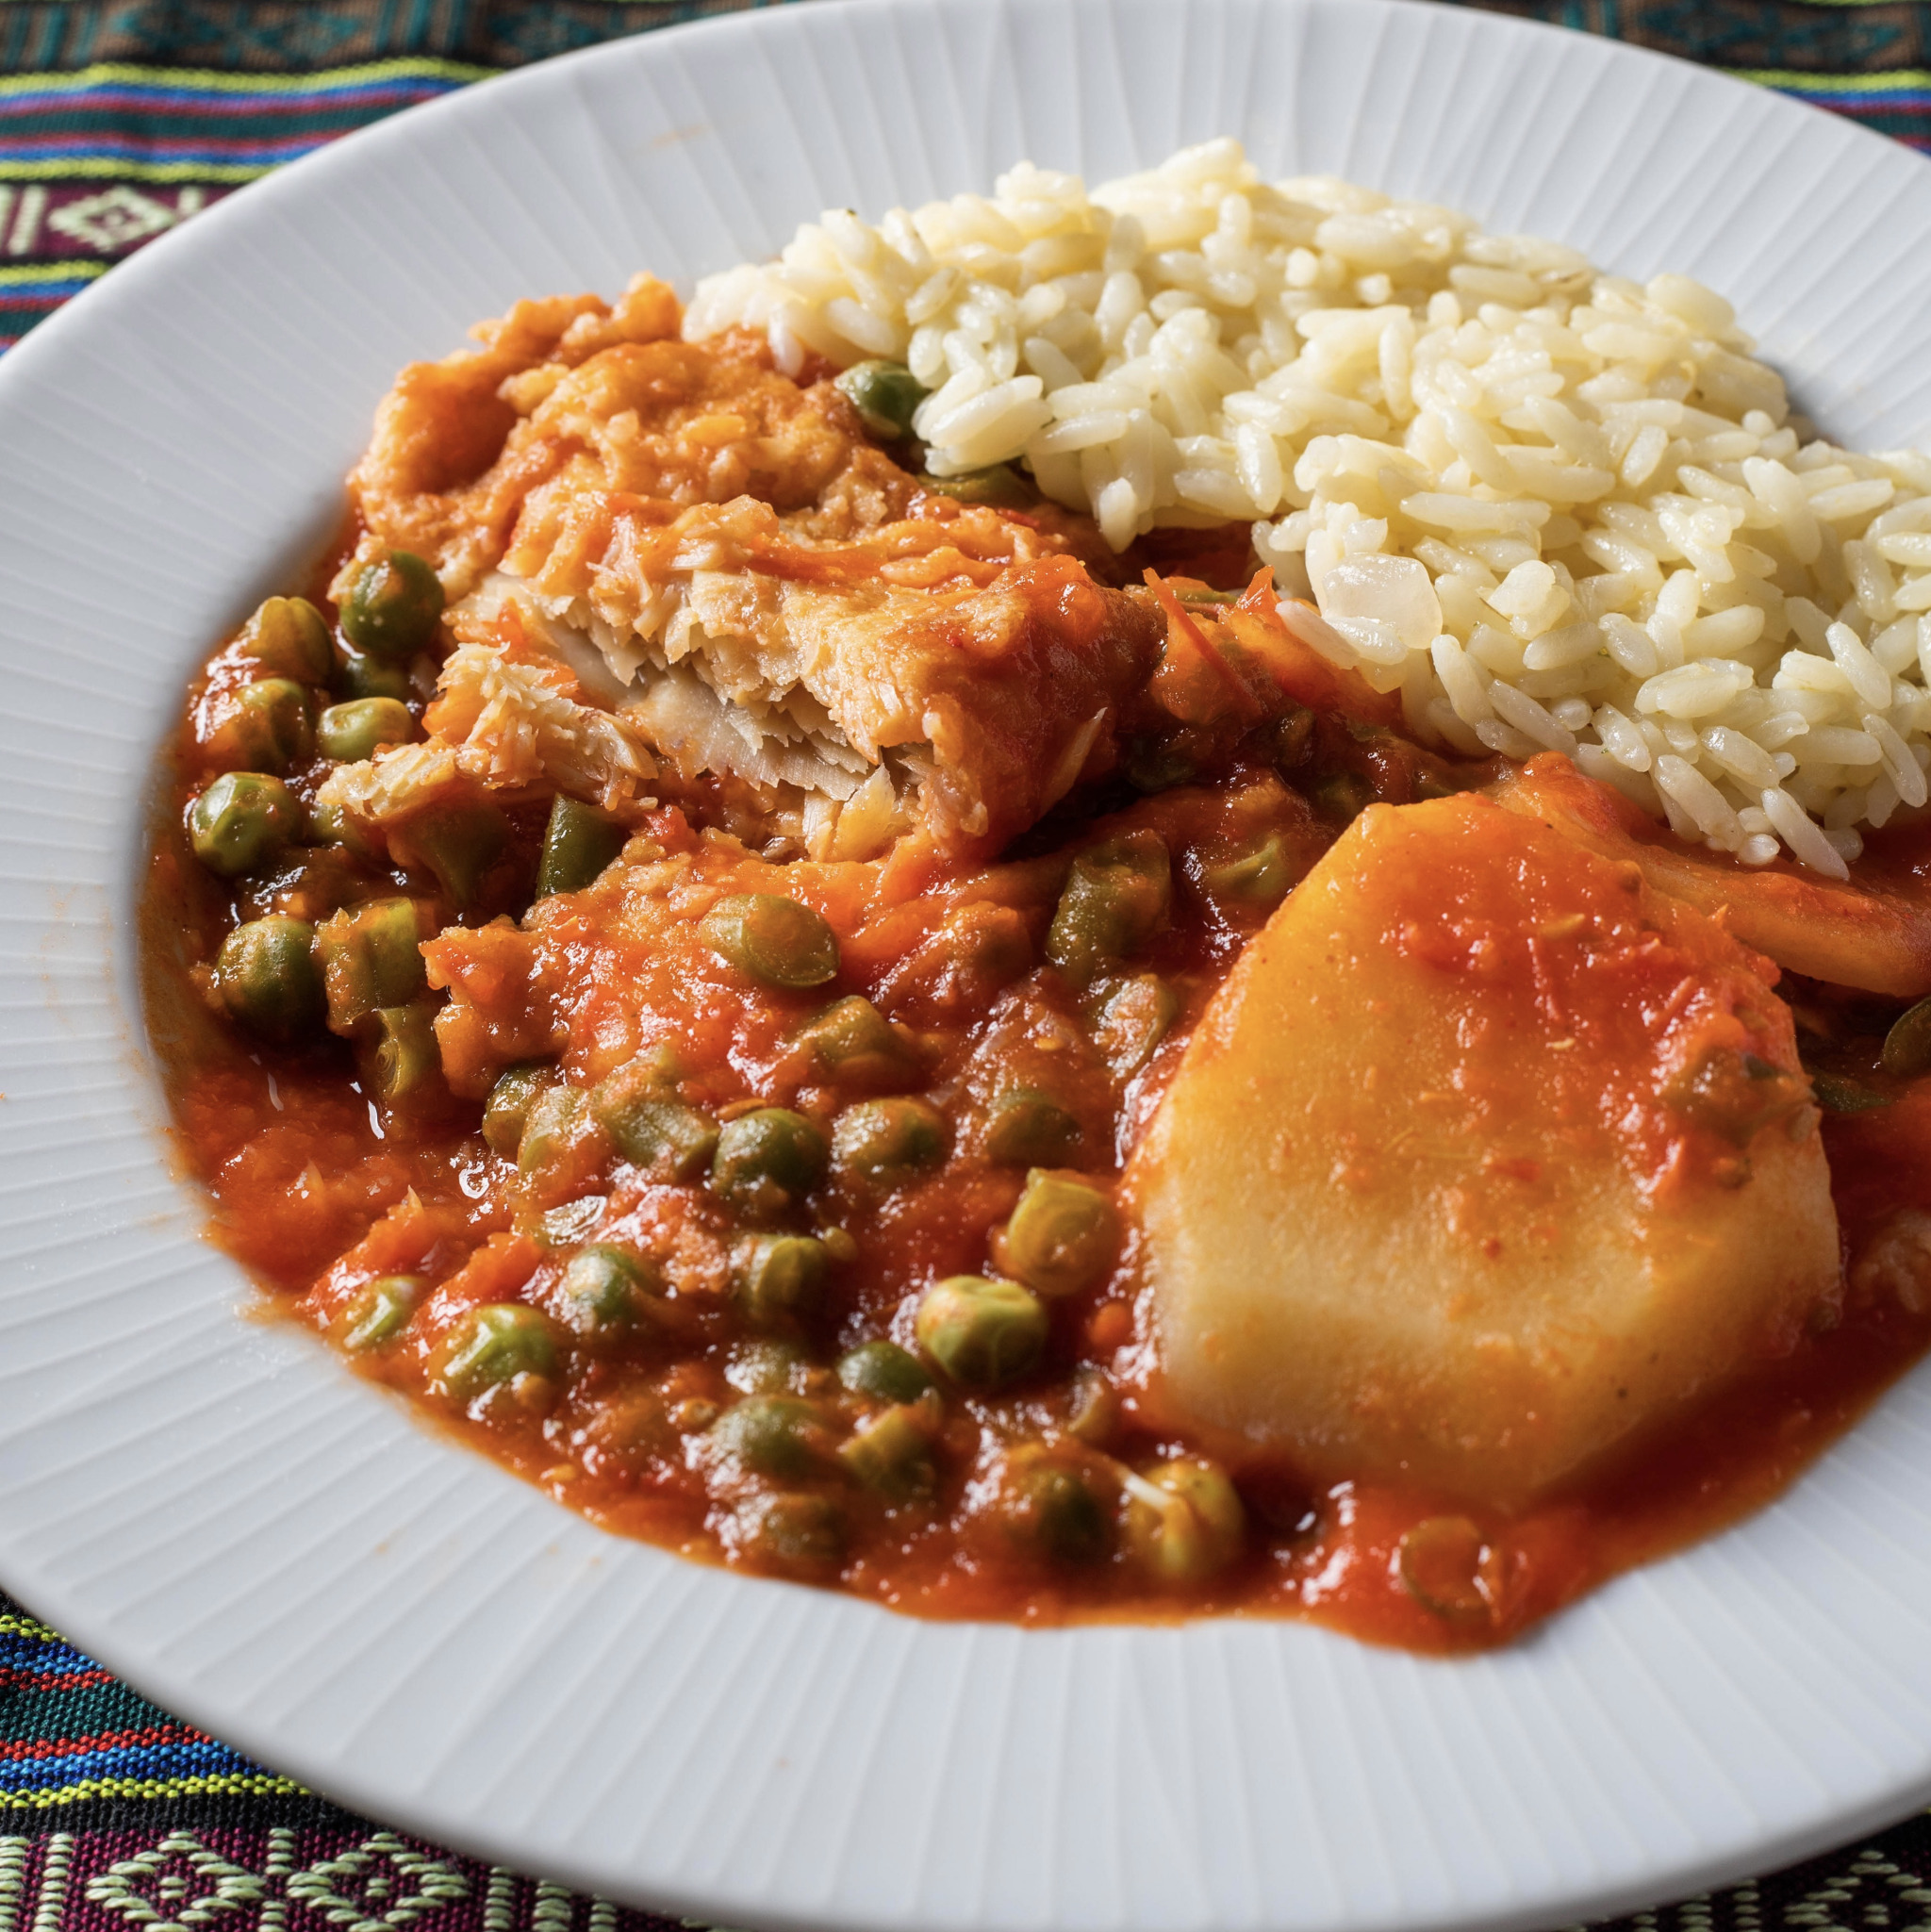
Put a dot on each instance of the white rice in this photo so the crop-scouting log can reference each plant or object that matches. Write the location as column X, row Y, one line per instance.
column 1554, row 508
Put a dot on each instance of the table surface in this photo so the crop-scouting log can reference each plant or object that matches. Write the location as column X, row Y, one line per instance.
column 120, row 119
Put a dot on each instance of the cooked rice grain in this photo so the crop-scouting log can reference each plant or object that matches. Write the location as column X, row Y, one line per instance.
column 1554, row 508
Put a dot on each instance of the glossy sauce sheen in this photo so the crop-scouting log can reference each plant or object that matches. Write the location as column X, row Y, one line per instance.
column 317, row 1190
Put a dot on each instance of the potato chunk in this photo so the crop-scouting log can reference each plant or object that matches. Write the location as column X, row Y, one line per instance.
column 1486, row 1155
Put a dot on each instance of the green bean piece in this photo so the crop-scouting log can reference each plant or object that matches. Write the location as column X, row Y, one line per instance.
column 1157, row 765
column 884, row 1371
column 1836, row 1095
column 768, row 1366
column 892, row 1453
column 779, row 1276
column 393, row 607
column 1061, row 1236
column 1184, row 1520
column 363, row 676
column 494, row 1347
column 330, row 824
column 1133, row 1018
column 982, row 1332
column 650, row 1126
column 289, row 637
column 885, row 1142
column 775, row 940
column 1259, row 875
column 378, row 1311
column 372, row 957
column 265, row 727
column 457, row 841
column 1115, row 899
column 606, row 1290
column 998, row 485
column 1342, row 797
column 566, row 1225
column 399, row 1057
column 772, row 1435
column 1446, row 1564
column 793, row 1532
column 353, row 732
column 1052, row 1509
column 885, row 394
column 242, row 821
column 768, row 1158
column 550, row 1127
column 1907, row 1045
column 578, row 843
column 1029, row 1129
column 1294, row 738
column 267, row 980
column 509, row 1103
column 853, row 1044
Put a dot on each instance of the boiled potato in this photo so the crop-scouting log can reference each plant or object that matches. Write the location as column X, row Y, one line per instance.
column 1485, row 1156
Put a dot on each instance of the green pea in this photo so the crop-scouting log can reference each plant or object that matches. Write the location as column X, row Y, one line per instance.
column 378, row 1311
column 289, row 638
column 351, row 731
column 1115, row 899
column 892, row 1453
column 768, row 1158
column 887, row 1142
column 1029, row 1129
column 456, row 841
column 777, row 941
column 578, row 843
column 1907, row 1045
column 772, row 1435
column 363, row 676
column 1258, row 875
column 768, row 1366
column 1157, row 765
column 372, row 957
column 267, row 978
column 393, row 606
column 1052, row 1509
column 605, row 1289
column 998, row 485
column 884, row 1371
column 550, row 1128
column 1133, row 1017
column 798, row 1533
column 1061, row 1235
column 983, row 1334
column 492, row 1347
column 508, row 1106
column 242, row 821
column 779, row 1276
column 1184, row 1520
column 885, row 394
column 651, row 1127
column 853, row 1044
column 399, row 1057
column 265, row 726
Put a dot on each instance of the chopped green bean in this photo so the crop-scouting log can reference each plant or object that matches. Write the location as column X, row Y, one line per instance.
column 1259, row 875
column 265, row 726
column 779, row 1276
column 510, row 1100
column 769, row 1158
column 885, row 1142
column 457, row 841
column 983, row 1334
column 998, row 485
column 650, row 1126
column 885, row 394
column 1115, row 900
column 378, row 1311
column 892, row 1452
column 578, row 843
column 351, row 731
column 495, row 1347
column 853, row 1044
column 399, row 1057
column 606, row 1290
column 1061, row 1236
column 372, row 957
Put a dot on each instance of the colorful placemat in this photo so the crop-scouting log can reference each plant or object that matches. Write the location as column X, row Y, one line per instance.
column 120, row 120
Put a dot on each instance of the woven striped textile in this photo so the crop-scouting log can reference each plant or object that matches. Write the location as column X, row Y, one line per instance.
column 120, row 120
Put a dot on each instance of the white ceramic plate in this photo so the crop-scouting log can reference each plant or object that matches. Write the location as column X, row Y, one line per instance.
column 277, row 1551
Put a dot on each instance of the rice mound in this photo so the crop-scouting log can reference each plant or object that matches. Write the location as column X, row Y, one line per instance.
column 1554, row 508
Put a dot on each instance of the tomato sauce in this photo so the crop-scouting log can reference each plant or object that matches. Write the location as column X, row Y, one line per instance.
column 1021, row 1507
